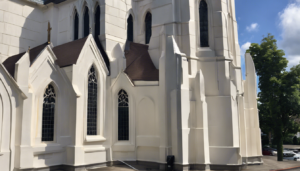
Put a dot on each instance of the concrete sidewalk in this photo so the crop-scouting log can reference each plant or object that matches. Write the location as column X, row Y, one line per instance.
column 271, row 163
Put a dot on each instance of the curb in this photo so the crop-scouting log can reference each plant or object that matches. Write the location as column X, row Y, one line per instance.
column 297, row 167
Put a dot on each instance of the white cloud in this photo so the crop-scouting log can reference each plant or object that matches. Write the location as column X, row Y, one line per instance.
column 290, row 24
column 252, row 27
column 245, row 47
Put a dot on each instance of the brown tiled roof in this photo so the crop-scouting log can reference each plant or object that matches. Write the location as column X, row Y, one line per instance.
column 139, row 66
column 34, row 52
column 10, row 62
column 67, row 54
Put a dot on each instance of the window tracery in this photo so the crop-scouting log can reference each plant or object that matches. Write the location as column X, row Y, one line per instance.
column 123, row 116
column 48, row 114
column 92, row 102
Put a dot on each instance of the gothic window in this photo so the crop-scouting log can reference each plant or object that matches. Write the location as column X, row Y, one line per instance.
column 86, row 27
column 48, row 114
column 123, row 116
column 130, row 28
column 203, row 18
column 76, row 22
column 148, row 26
column 92, row 102
column 97, row 23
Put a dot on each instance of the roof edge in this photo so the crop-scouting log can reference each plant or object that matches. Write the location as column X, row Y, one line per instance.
column 45, row 2
column 14, row 82
column 90, row 37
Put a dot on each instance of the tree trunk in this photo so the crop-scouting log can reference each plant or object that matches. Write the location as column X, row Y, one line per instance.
column 270, row 138
column 279, row 143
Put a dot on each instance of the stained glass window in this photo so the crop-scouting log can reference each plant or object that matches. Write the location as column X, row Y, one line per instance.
column 76, row 22
column 123, row 116
column 97, row 23
column 86, row 22
column 92, row 102
column 48, row 114
column 130, row 28
column 203, row 16
column 148, row 26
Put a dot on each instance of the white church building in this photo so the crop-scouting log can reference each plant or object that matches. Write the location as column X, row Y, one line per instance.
column 89, row 83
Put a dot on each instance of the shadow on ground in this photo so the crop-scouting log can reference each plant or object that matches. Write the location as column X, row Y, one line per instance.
column 270, row 164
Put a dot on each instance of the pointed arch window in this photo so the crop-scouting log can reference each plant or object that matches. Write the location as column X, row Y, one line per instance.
column 123, row 116
column 48, row 114
column 97, row 23
column 76, row 25
column 92, row 102
column 203, row 18
column 86, row 27
column 130, row 28
column 148, row 27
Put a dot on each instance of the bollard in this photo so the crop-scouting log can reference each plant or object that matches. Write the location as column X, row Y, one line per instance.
column 170, row 162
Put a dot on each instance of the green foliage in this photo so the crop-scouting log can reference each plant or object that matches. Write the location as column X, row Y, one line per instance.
column 295, row 141
column 264, row 140
column 279, row 99
column 288, row 140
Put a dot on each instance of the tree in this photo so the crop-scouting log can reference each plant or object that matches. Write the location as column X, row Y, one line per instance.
column 295, row 140
column 279, row 96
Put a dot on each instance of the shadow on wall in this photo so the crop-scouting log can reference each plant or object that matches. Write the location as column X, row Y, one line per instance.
column 22, row 25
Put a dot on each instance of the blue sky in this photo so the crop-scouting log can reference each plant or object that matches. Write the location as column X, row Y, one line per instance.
column 257, row 18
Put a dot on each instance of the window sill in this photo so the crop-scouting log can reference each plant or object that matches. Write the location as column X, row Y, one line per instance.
column 96, row 138
column 205, row 52
column 146, row 83
column 47, row 148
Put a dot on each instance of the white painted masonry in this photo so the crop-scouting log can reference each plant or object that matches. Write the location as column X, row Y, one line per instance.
column 200, row 110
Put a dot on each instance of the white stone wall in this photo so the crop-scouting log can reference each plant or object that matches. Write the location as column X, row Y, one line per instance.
column 21, row 25
column 11, row 102
column 196, row 111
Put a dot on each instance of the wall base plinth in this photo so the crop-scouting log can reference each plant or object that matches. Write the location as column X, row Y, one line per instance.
column 254, row 160
column 141, row 165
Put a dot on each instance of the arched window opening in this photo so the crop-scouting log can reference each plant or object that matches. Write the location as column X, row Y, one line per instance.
column 92, row 102
column 97, row 23
column 123, row 116
column 76, row 23
column 48, row 114
column 148, row 26
column 86, row 27
column 203, row 17
column 96, row 36
column 130, row 28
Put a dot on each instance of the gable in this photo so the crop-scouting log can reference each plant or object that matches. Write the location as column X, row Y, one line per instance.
column 45, row 71
column 10, row 62
column 90, row 49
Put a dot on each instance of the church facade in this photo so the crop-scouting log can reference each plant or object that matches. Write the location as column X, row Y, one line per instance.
column 89, row 83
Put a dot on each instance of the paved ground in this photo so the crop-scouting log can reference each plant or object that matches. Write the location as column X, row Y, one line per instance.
column 270, row 164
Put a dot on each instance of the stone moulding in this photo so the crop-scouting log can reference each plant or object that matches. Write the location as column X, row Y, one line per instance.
column 137, row 164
